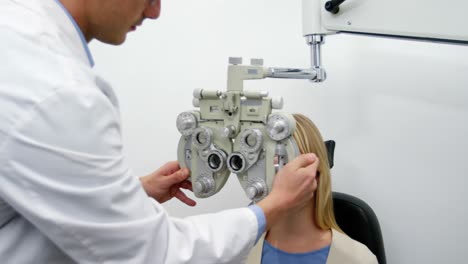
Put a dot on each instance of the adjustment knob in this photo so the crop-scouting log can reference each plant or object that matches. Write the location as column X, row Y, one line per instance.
column 228, row 131
column 196, row 102
column 235, row 60
column 251, row 140
column 256, row 62
column 254, row 191
column 197, row 93
column 203, row 185
column 277, row 102
column 202, row 137
column 333, row 6
column 279, row 126
column 186, row 123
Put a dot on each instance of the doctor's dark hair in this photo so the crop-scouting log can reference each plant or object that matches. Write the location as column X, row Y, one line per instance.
column 309, row 140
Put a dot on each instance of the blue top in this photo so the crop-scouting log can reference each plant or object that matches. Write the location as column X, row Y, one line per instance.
column 272, row 255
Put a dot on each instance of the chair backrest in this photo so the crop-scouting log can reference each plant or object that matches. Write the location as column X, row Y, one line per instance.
column 358, row 221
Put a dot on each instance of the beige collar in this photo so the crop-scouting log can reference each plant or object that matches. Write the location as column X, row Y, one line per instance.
column 343, row 249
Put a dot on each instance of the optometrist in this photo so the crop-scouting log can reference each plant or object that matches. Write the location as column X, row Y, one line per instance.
column 67, row 194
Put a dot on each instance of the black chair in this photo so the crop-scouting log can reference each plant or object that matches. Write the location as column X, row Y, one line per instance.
column 359, row 222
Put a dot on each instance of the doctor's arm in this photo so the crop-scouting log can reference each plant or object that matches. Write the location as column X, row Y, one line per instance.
column 63, row 169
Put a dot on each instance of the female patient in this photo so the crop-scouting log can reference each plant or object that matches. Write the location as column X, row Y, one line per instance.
column 311, row 235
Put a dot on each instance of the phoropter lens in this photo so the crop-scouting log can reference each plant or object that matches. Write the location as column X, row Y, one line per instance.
column 214, row 161
column 236, row 163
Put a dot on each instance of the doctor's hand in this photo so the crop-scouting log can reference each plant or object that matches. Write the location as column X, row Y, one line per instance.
column 167, row 182
column 293, row 188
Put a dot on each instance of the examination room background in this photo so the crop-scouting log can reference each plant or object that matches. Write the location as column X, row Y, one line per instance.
column 396, row 108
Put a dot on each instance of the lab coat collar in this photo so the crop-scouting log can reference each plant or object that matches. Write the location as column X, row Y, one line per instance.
column 75, row 35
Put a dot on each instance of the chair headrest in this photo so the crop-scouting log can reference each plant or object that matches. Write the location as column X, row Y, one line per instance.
column 357, row 219
column 330, row 145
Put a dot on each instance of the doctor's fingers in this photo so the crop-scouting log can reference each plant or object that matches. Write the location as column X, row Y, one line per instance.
column 302, row 161
column 176, row 177
column 309, row 172
column 186, row 185
column 169, row 168
column 183, row 198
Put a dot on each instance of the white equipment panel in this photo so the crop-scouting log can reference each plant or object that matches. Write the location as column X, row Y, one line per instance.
column 432, row 19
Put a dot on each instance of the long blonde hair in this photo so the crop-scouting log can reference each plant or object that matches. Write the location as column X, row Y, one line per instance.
column 309, row 140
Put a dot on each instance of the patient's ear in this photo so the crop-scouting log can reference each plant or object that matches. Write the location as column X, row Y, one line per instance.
column 330, row 144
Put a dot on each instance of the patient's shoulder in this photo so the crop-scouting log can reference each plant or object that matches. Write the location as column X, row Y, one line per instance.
column 344, row 249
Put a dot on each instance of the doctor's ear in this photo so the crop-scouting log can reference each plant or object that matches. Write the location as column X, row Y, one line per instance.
column 330, row 145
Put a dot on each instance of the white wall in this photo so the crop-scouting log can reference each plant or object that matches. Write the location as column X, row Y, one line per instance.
column 397, row 109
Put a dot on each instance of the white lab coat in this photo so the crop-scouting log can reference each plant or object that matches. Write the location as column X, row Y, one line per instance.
column 67, row 193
